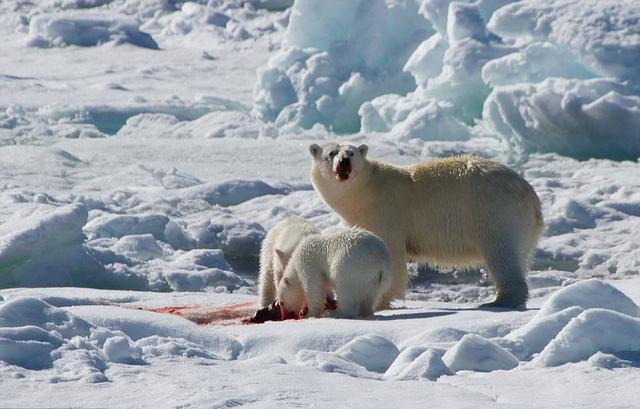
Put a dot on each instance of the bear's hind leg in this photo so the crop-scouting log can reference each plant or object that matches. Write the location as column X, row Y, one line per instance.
column 399, row 280
column 506, row 270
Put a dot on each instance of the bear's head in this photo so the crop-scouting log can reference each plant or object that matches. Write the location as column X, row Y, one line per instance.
column 343, row 164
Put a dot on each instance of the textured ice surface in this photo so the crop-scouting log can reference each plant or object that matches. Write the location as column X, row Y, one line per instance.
column 595, row 118
column 602, row 35
column 338, row 55
column 85, row 30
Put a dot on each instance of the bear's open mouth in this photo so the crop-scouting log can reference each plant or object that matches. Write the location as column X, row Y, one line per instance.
column 343, row 169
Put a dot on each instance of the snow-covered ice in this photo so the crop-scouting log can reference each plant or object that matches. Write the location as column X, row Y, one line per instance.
column 147, row 146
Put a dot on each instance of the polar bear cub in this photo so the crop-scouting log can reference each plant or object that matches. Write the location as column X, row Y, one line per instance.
column 276, row 250
column 353, row 263
column 460, row 211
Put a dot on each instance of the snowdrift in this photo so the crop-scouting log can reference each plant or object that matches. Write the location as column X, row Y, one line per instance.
column 35, row 335
column 101, row 336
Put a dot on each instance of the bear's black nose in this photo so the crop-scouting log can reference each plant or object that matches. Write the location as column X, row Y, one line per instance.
column 344, row 162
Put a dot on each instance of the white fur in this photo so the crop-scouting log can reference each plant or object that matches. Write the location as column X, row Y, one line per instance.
column 354, row 263
column 276, row 250
column 459, row 211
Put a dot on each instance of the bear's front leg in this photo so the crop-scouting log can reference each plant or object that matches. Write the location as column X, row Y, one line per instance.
column 267, row 287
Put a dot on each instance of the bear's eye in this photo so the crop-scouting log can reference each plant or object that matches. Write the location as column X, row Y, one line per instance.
column 333, row 154
column 286, row 282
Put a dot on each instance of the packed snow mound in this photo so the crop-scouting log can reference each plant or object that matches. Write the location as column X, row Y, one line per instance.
column 156, row 346
column 609, row 361
column 338, row 55
column 533, row 63
column 602, row 35
column 119, row 225
column 330, row 362
column 537, row 333
column 434, row 336
column 374, row 352
column 233, row 192
column 272, row 4
column 37, row 336
column 414, row 117
column 418, row 363
column 587, row 294
column 404, row 359
column 201, row 259
column 574, row 323
column 85, row 30
column 232, row 121
column 567, row 116
column 28, row 346
column 592, row 331
column 185, row 280
column 29, row 311
column 476, row 353
column 138, row 246
column 120, row 349
column 80, row 4
column 46, row 229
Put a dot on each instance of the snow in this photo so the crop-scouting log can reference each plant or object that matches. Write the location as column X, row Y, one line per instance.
column 567, row 116
column 28, row 311
column 476, row 353
column 537, row 333
column 338, row 55
column 147, row 146
column 276, row 354
column 601, row 35
column 592, row 331
column 116, row 225
column 372, row 351
column 587, row 294
column 418, row 364
column 119, row 349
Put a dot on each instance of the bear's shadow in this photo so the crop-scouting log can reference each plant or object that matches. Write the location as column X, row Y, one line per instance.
column 441, row 312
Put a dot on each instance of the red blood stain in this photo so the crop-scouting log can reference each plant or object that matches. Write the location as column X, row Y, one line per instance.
column 225, row 315
column 234, row 314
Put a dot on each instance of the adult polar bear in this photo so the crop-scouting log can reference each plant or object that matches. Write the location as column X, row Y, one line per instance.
column 459, row 211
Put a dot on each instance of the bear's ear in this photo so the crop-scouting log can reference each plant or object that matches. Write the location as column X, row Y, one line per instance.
column 282, row 257
column 363, row 149
column 315, row 150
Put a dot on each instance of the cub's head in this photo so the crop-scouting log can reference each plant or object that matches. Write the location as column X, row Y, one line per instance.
column 290, row 293
column 342, row 163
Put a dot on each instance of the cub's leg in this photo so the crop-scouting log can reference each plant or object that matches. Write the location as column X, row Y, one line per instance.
column 347, row 296
column 315, row 292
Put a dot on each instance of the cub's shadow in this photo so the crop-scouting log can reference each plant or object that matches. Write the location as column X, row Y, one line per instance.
column 430, row 314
